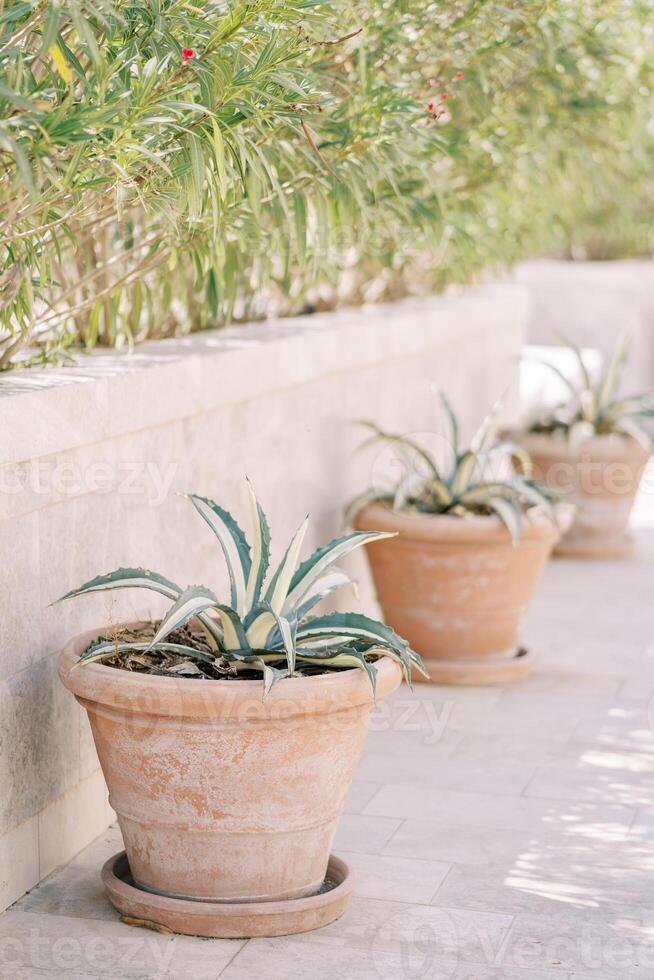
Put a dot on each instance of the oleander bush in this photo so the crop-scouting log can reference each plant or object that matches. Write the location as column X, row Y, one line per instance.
column 166, row 166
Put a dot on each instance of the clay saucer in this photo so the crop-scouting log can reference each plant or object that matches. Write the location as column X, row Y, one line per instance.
column 619, row 546
column 229, row 920
column 487, row 671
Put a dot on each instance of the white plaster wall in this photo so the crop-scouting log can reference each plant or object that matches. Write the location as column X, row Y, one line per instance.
column 92, row 457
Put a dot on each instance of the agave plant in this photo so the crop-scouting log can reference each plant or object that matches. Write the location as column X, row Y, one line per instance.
column 490, row 476
column 267, row 626
column 593, row 407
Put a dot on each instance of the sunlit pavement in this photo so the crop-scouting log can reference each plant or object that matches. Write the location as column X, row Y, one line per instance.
column 495, row 833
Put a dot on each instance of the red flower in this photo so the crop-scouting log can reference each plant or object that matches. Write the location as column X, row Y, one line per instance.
column 434, row 82
column 458, row 76
column 431, row 107
column 444, row 97
column 187, row 54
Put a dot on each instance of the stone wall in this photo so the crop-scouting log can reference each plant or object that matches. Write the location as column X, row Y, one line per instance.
column 92, row 457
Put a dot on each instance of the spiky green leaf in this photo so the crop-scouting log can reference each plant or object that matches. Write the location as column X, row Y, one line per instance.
column 191, row 602
column 314, row 567
column 234, row 546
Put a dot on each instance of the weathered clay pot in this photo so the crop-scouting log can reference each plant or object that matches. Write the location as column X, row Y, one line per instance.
column 601, row 479
column 456, row 587
column 220, row 795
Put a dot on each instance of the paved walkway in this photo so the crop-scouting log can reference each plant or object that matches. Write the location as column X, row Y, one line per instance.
column 496, row 834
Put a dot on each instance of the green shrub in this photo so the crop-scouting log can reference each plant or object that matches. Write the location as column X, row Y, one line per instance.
column 301, row 144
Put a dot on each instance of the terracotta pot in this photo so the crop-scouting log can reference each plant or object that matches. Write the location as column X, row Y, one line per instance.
column 220, row 795
column 456, row 587
column 601, row 479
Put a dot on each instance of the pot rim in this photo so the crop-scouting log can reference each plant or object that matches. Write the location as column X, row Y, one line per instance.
column 153, row 695
column 435, row 527
column 610, row 447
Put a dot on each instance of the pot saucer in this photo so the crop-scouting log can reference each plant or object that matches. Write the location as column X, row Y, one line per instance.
column 489, row 671
column 620, row 546
column 228, row 920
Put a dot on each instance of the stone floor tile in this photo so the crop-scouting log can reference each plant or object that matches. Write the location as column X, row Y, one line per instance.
column 396, row 879
column 264, row 959
column 545, row 888
column 361, row 791
column 603, row 776
column 627, row 725
column 70, row 945
column 456, row 773
column 394, row 928
column 532, row 749
column 288, row 959
column 584, row 943
column 76, row 890
column 410, row 800
column 643, row 824
column 573, row 684
column 476, row 846
column 364, row 835
column 27, row 973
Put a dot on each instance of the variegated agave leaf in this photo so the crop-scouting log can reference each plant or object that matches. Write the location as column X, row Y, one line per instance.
column 190, row 604
column 465, row 468
column 141, row 578
column 486, row 435
column 452, row 424
column 561, row 375
column 277, row 591
column 102, row 648
column 268, row 630
column 260, row 551
column 126, row 578
column 611, row 376
column 254, row 633
column 629, row 427
column 510, row 514
column 313, row 569
column 584, row 373
column 321, row 588
column 234, row 635
column 233, row 543
column 593, row 409
column 353, row 628
column 380, row 435
column 345, row 657
column 493, row 471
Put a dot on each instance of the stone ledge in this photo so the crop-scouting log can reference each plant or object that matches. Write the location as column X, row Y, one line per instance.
column 109, row 393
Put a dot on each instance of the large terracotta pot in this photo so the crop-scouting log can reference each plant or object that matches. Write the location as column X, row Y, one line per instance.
column 601, row 479
column 456, row 587
column 221, row 795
